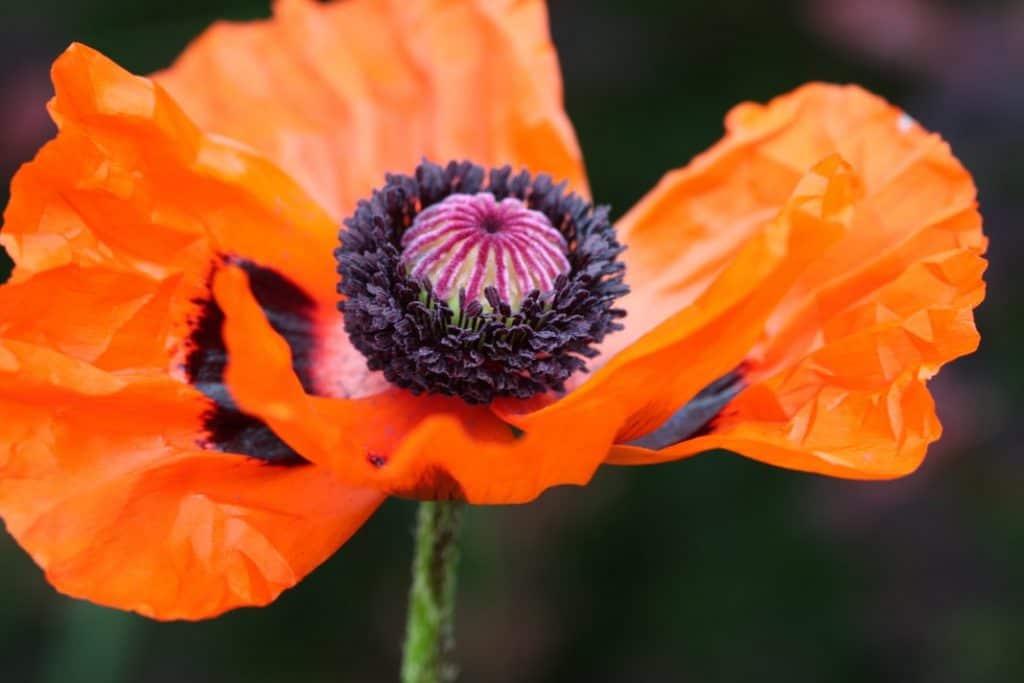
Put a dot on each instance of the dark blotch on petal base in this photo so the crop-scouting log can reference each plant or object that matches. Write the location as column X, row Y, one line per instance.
column 290, row 312
column 698, row 416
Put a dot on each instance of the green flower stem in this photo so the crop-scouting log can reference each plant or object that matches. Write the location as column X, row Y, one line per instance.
column 429, row 635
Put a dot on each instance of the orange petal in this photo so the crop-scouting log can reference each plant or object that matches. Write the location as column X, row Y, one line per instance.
column 837, row 379
column 856, row 406
column 113, row 319
column 339, row 94
column 469, row 453
column 102, row 483
column 710, row 337
column 131, row 184
column 113, row 228
column 696, row 219
column 356, row 438
column 116, row 224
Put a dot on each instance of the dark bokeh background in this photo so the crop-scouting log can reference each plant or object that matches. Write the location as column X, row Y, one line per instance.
column 712, row 569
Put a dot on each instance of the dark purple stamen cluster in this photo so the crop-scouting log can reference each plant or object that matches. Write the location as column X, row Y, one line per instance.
column 478, row 353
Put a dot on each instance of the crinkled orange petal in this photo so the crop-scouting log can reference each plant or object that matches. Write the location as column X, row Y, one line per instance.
column 112, row 318
column 708, row 338
column 102, row 483
column 856, row 406
column 113, row 229
column 356, row 438
column 338, row 94
column 469, row 453
column 124, row 214
column 130, row 183
column 837, row 379
column 696, row 219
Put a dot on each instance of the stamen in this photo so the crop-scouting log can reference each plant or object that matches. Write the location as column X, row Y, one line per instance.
column 470, row 242
column 460, row 282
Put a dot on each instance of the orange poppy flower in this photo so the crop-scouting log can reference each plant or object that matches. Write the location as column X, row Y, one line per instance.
column 189, row 423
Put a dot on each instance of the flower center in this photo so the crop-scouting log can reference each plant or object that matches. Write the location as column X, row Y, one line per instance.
column 465, row 282
column 468, row 243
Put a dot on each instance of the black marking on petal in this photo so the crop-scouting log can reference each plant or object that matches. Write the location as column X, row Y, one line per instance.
column 290, row 312
column 422, row 344
column 697, row 417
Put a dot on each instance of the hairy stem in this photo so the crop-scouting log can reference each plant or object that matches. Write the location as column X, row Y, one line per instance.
column 429, row 636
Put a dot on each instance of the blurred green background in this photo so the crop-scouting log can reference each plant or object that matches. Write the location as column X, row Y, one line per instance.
column 712, row 569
